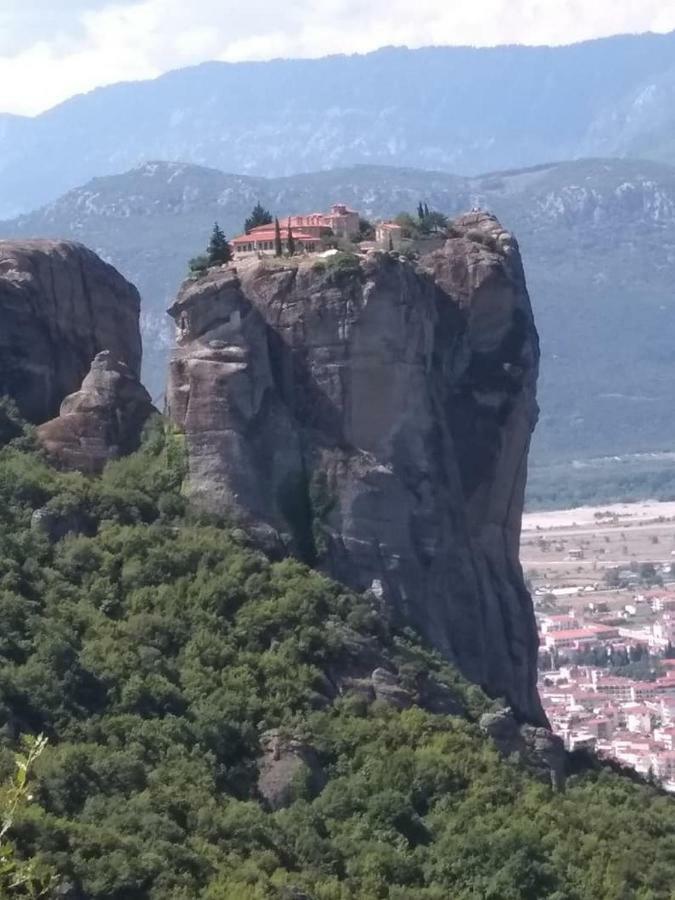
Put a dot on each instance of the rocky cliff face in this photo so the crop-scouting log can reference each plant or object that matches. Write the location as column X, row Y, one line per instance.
column 374, row 417
column 615, row 219
column 60, row 305
column 102, row 421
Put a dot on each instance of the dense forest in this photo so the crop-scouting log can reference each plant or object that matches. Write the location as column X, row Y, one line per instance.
column 154, row 650
column 603, row 480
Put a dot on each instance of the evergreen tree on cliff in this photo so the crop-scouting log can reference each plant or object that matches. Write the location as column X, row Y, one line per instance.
column 290, row 241
column 259, row 216
column 218, row 251
column 278, row 248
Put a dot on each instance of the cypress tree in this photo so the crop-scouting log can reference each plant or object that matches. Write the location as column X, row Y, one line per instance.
column 426, row 210
column 290, row 243
column 259, row 216
column 420, row 211
column 218, row 251
column 278, row 249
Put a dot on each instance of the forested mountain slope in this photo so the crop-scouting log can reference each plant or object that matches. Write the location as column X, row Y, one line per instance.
column 215, row 730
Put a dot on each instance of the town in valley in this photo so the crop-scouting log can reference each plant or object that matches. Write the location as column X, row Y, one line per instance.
column 603, row 586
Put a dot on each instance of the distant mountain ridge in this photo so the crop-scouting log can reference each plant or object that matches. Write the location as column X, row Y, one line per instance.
column 597, row 236
column 458, row 109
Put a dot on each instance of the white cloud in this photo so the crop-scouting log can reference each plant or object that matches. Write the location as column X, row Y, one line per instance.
column 46, row 56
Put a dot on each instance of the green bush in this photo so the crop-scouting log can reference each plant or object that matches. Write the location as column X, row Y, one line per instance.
column 11, row 424
column 198, row 265
column 342, row 261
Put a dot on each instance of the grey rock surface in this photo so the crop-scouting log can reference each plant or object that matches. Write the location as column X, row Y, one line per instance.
column 438, row 698
column 102, row 421
column 374, row 417
column 387, row 687
column 60, row 305
column 56, row 524
column 288, row 768
column 538, row 748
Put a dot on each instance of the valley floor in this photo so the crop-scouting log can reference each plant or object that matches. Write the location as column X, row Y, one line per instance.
column 626, row 514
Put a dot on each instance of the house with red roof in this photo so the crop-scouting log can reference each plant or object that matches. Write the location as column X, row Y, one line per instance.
column 262, row 240
column 308, row 231
column 573, row 638
column 562, row 622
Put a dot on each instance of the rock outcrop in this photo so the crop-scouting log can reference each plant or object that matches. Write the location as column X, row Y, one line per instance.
column 102, row 421
column 288, row 769
column 363, row 669
column 538, row 748
column 373, row 416
column 55, row 524
column 60, row 305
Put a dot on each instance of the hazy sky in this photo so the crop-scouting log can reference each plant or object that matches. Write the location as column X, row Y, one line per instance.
column 51, row 49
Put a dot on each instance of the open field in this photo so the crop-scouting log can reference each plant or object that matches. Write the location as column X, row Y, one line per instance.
column 627, row 513
column 568, row 552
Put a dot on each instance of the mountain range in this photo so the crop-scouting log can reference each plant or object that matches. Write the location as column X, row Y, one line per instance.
column 455, row 109
column 597, row 236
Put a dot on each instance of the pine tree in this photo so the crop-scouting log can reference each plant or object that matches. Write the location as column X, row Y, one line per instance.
column 290, row 243
column 259, row 216
column 278, row 248
column 218, row 251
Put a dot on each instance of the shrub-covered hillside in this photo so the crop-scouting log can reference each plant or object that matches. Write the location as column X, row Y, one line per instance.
column 162, row 657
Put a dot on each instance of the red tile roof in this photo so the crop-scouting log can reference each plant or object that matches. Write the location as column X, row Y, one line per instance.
column 270, row 236
column 296, row 222
column 577, row 634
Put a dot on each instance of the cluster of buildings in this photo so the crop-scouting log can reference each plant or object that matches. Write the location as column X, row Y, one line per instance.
column 590, row 707
column 648, row 621
column 315, row 232
column 629, row 720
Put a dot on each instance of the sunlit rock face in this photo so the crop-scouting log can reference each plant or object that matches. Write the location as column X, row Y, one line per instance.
column 373, row 416
column 102, row 421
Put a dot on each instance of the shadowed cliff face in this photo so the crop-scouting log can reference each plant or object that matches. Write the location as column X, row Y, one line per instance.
column 375, row 419
column 60, row 305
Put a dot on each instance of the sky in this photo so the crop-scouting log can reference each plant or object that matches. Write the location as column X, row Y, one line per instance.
column 53, row 49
